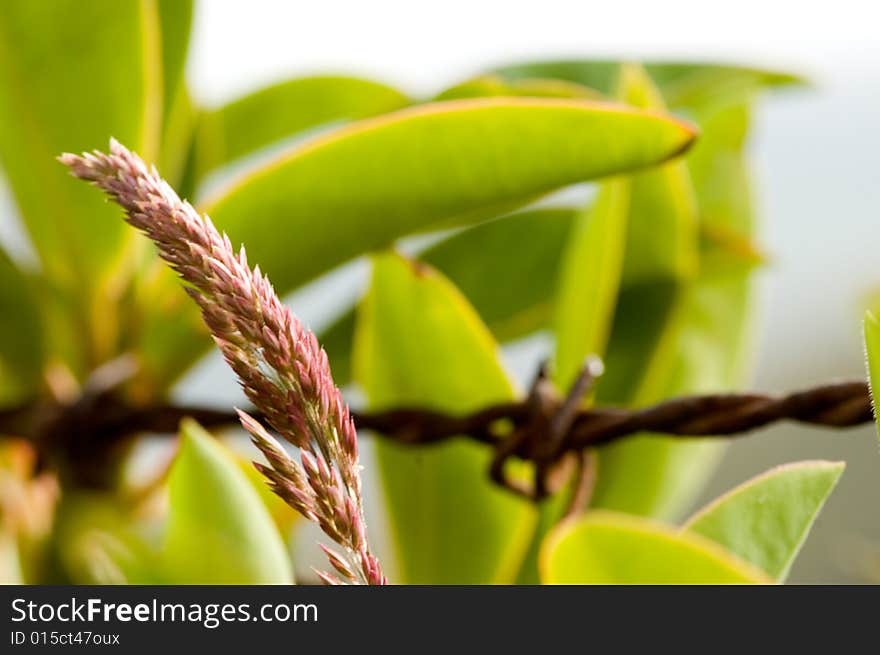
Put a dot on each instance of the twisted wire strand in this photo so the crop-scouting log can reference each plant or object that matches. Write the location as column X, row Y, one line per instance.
column 837, row 404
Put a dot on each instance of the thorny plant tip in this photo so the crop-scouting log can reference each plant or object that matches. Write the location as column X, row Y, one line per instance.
column 281, row 367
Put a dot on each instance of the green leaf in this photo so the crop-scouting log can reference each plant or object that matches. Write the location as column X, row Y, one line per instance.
column 611, row 548
column 719, row 168
column 21, row 333
column 671, row 338
column 662, row 224
column 486, row 86
column 419, row 342
column 682, row 84
column 425, row 167
column 765, row 521
column 414, row 170
column 284, row 110
column 871, row 329
column 669, row 341
column 178, row 112
column 522, row 249
column 525, row 302
column 219, row 531
column 98, row 541
column 175, row 23
column 589, row 281
column 73, row 74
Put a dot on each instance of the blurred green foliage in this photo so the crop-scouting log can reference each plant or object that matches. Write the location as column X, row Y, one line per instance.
column 653, row 273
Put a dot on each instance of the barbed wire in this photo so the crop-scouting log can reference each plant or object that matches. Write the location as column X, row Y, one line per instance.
column 542, row 428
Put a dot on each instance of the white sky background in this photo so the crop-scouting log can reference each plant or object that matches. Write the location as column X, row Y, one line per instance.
column 241, row 44
column 816, row 157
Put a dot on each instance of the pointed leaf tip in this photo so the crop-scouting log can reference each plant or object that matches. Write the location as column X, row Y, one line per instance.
column 766, row 520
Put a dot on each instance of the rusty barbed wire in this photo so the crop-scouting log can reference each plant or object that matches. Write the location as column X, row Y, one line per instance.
column 514, row 429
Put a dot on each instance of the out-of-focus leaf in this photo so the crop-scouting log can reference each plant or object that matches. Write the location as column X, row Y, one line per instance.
column 282, row 513
column 21, row 333
column 10, row 563
column 419, row 342
column 673, row 339
column 611, row 548
column 74, row 73
column 719, row 169
column 682, row 84
column 423, row 167
column 589, row 280
column 522, row 300
column 462, row 161
column 872, row 353
column 662, row 224
column 97, row 542
column 175, row 22
column 669, row 341
column 487, row 86
column 218, row 531
column 765, row 521
column 506, row 268
column 284, row 110
column 178, row 113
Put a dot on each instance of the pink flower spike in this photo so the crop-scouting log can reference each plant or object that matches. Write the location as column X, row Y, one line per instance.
column 279, row 363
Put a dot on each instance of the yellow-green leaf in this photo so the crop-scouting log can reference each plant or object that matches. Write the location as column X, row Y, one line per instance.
column 872, row 354
column 589, row 280
column 178, row 111
column 683, row 84
column 73, row 74
column 765, row 521
column 416, row 169
column 218, row 530
column 611, row 548
column 486, row 86
column 662, row 224
column 284, row 110
column 424, row 167
column 669, row 341
column 21, row 333
column 521, row 251
column 419, row 342
column 98, row 541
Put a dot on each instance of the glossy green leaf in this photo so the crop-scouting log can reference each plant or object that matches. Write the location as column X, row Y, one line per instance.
column 589, row 280
column 284, row 110
column 73, row 74
column 218, row 530
column 487, row 86
column 423, row 167
column 662, row 223
column 416, row 169
column 21, row 333
column 682, row 84
column 611, row 548
column 871, row 329
column 765, row 521
column 419, row 342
